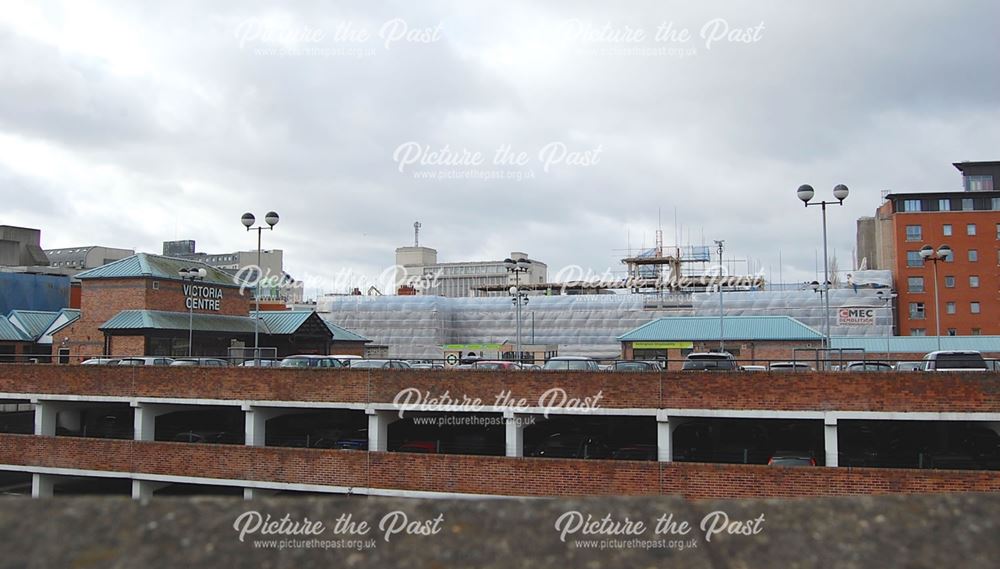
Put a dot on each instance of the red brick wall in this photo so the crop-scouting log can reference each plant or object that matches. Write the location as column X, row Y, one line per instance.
column 479, row 475
column 901, row 392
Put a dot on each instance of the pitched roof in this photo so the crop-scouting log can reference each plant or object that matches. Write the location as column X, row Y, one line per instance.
column 146, row 265
column 72, row 315
column 11, row 333
column 288, row 321
column 33, row 323
column 343, row 334
column 754, row 328
column 160, row 320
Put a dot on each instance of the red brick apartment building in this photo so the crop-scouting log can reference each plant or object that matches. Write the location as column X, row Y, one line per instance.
column 968, row 281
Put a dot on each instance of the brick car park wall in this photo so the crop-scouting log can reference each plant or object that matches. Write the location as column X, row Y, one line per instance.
column 478, row 474
column 827, row 391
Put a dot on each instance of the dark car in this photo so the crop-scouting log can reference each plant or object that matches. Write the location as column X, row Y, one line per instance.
column 791, row 458
column 636, row 452
column 572, row 445
column 636, row 365
column 711, row 361
column 355, row 440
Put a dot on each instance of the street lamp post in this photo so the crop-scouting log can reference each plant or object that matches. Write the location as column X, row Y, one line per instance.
column 520, row 298
column 191, row 274
column 722, row 314
column 942, row 254
column 248, row 220
column 806, row 193
column 886, row 302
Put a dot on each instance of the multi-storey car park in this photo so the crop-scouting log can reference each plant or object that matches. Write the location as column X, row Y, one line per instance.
column 159, row 431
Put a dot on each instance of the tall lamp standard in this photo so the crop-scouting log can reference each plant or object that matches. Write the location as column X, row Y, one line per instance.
column 942, row 254
column 520, row 298
column 191, row 274
column 248, row 220
column 722, row 314
column 806, row 193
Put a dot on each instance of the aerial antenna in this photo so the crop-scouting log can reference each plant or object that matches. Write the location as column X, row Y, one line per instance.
column 416, row 233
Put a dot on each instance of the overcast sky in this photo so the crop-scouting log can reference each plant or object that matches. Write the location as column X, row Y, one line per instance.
column 130, row 123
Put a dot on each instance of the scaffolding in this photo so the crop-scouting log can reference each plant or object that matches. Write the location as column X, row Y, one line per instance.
column 583, row 324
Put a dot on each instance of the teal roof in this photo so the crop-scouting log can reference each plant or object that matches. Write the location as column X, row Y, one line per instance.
column 33, row 323
column 11, row 333
column 916, row 344
column 691, row 328
column 288, row 321
column 146, row 265
column 343, row 334
column 159, row 320
column 72, row 315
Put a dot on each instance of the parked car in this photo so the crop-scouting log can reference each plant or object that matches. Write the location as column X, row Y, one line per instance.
column 207, row 362
column 423, row 447
column 753, row 368
column 496, row 364
column 425, row 365
column 709, row 361
column 791, row 458
column 867, row 366
column 347, row 359
column 910, row 366
column 215, row 437
column 632, row 365
column 954, row 360
column 145, row 361
column 263, row 363
column 100, row 362
column 572, row 445
column 790, row 366
column 636, row 452
column 571, row 363
column 380, row 364
column 311, row 361
column 355, row 440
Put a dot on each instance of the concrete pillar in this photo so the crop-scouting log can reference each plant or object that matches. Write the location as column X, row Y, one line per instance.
column 515, row 424
column 256, row 424
column 256, row 493
column 144, row 425
column 664, row 438
column 143, row 489
column 378, row 428
column 42, row 485
column 45, row 417
column 830, row 441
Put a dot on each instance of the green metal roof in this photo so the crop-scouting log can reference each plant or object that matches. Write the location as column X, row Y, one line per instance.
column 159, row 320
column 11, row 333
column 145, row 265
column 72, row 315
column 916, row 344
column 33, row 323
column 755, row 328
column 343, row 334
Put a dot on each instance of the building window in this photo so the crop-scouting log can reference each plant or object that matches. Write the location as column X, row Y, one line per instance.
column 918, row 331
column 917, row 311
column 952, row 332
column 974, row 281
column 968, row 204
column 977, row 332
column 949, row 308
column 913, row 233
column 949, row 282
column 915, row 284
column 970, row 229
column 946, row 230
column 979, row 183
column 911, row 205
column 974, row 307
column 998, row 231
column 944, row 204
column 973, row 255
column 913, row 259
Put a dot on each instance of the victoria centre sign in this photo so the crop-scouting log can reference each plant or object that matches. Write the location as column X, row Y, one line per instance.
column 200, row 297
